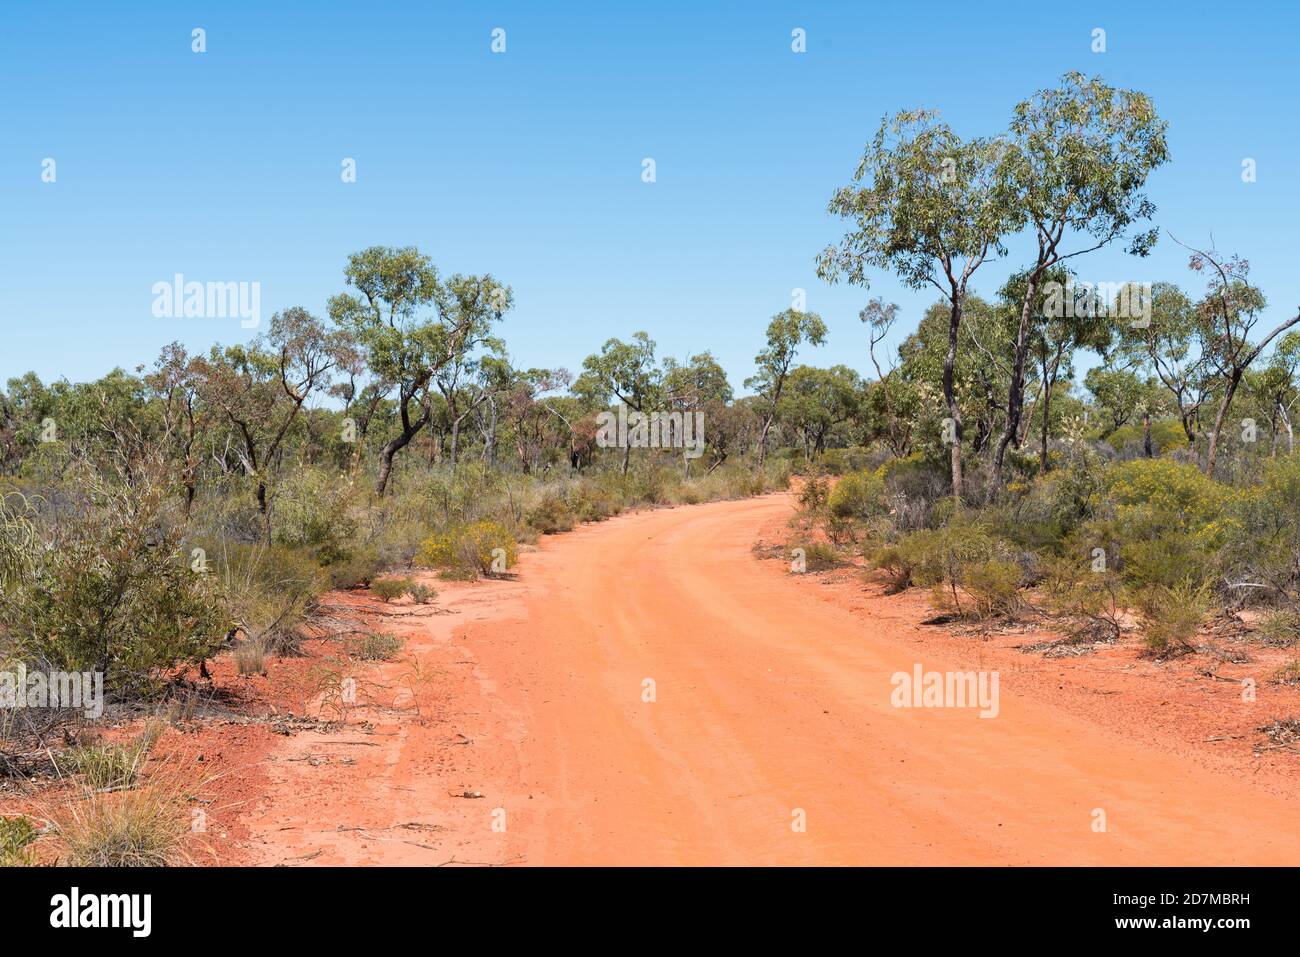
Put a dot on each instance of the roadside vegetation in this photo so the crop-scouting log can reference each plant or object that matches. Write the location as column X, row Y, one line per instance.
column 202, row 506
column 1108, row 457
column 1114, row 457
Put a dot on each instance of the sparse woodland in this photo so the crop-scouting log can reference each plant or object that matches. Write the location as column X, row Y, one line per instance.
column 1018, row 457
column 1161, row 483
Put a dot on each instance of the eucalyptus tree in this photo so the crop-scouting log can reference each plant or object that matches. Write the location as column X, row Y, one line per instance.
column 626, row 371
column 260, row 389
column 977, row 377
column 404, row 345
column 816, row 401
column 1166, row 345
column 1276, row 389
column 176, row 382
column 931, row 208
column 733, row 427
column 889, row 402
column 697, row 386
column 1080, row 155
column 494, row 383
column 1227, row 317
column 786, row 332
column 540, row 421
column 464, row 387
column 25, row 405
column 1120, row 394
column 1056, row 335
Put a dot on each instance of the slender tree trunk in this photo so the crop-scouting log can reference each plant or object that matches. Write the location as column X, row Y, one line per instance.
column 1047, row 382
column 1047, row 428
column 950, row 397
column 1028, row 418
column 1016, row 390
column 1218, row 423
column 490, row 440
column 1146, row 434
column 396, row 444
column 762, row 439
column 386, row 454
column 264, row 510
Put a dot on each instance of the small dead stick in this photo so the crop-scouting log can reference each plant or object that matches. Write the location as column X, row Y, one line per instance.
column 304, row 857
column 508, row 861
column 368, row 744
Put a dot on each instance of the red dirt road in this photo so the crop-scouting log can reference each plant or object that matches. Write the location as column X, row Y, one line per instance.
column 768, row 700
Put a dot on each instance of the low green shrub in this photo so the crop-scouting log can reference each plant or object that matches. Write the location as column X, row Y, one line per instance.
column 994, row 587
column 844, row 461
column 107, row 586
column 858, row 496
column 269, row 592
column 946, row 558
column 814, row 494
column 592, row 503
column 897, row 566
column 1091, row 602
column 422, row 594
column 468, row 551
column 355, row 568
column 1157, row 495
column 552, row 514
column 386, row 589
column 316, row 511
column 817, row 556
column 1171, row 617
column 1281, row 629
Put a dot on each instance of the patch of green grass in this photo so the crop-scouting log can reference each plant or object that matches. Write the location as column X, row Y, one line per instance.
column 375, row 646
column 386, row 589
column 16, row 833
column 105, row 766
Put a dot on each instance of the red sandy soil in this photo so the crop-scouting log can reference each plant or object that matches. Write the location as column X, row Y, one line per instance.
column 772, row 694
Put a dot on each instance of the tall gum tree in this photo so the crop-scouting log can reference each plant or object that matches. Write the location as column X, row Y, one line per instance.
column 627, row 371
column 785, row 333
column 931, row 208
column 697, row 385
column 261, row 389
column 404, row 345
column 1079, row 157
column 1165, row 345
column 1227, row 317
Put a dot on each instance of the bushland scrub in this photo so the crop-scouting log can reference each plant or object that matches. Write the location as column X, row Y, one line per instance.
column 1097, row 546
column 1116, row 458
column 152, row 522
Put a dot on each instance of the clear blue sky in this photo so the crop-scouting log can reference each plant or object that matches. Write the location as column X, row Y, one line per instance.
column 225, row 166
